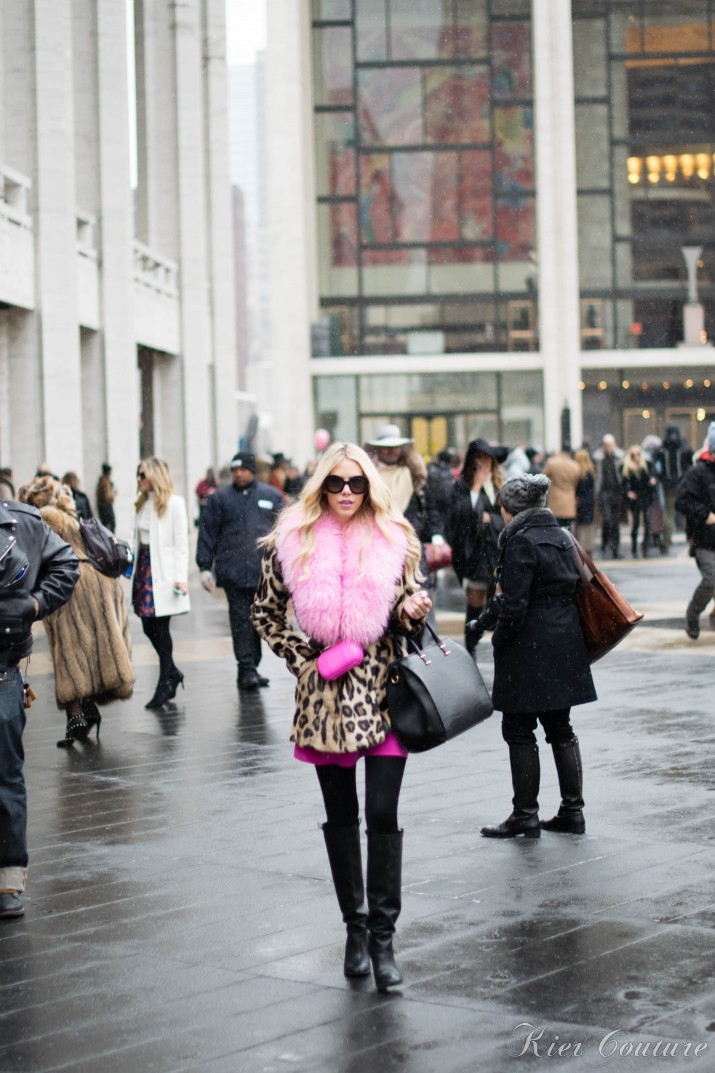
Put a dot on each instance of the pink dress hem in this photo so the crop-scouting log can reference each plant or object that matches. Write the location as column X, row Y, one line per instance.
column 389, row 747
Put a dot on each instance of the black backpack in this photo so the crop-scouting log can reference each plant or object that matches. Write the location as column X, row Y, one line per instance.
column 106, row 553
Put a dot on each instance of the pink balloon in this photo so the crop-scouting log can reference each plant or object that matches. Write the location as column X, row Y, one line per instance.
column 321, row 439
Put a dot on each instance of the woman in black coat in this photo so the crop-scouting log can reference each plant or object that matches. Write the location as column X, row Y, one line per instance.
column 473, row 529
column 541, row 667
column 638, row 489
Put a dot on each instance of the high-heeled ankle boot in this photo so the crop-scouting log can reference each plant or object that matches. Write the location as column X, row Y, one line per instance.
column 343, row 846
column 162, row 694
column 76, row 728
column 176, row 679
column 569, row 818
column 525, row 778
column 92, row 714
column 384, row 902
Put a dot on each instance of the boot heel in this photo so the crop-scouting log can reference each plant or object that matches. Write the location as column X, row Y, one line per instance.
column 532, row 832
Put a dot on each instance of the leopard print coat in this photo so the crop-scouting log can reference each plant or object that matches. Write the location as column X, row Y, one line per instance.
column 350, row 713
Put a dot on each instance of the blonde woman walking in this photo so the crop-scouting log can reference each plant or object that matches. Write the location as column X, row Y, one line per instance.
column 160, row 581
column 347, row 560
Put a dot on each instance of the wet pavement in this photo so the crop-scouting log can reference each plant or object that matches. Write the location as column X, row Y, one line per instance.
column 180, row 915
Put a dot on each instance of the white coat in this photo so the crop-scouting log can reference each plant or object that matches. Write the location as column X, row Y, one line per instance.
column 169, row 551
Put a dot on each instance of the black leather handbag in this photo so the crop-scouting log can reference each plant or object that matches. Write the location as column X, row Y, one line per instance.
column 435, row 693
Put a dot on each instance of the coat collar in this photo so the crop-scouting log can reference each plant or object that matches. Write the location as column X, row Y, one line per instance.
column 525, row 520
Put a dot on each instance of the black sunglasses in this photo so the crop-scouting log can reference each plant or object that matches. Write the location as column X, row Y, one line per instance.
column 141, row 475
column 357, row 485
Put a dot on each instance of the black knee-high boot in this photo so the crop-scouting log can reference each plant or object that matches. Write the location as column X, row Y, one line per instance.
column 343, row 846
column 384, row 901
column 570, row 771
column 525, row 778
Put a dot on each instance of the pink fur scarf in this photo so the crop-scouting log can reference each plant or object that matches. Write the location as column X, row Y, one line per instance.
column 350, row 589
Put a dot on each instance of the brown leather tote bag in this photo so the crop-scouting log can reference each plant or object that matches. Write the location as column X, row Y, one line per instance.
column 605, row 614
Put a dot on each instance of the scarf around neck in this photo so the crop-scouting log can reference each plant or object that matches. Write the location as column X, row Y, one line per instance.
column 349, row 591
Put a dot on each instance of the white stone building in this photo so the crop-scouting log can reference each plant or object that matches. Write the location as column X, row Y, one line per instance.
column 117, row 332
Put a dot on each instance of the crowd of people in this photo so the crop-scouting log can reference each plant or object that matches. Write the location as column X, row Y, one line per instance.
column 345, row 552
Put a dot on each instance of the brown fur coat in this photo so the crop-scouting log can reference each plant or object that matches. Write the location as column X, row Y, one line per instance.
column 89, row 636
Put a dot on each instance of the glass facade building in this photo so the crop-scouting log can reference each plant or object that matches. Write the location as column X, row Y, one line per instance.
column 501, row 193
column 424, row 157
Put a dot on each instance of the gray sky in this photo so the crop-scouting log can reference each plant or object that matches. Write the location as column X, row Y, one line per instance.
column 245, row 29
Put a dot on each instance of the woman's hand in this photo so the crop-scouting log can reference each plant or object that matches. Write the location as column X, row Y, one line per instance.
column 486, row 518
column 417, row 605
column 181, row 586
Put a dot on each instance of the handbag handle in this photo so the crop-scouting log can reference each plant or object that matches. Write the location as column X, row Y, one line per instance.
column 582, row 557
column 412, row 644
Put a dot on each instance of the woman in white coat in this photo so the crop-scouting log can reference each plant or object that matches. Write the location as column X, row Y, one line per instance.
column 160, row 586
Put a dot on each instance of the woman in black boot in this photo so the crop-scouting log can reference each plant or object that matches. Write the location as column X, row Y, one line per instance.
column 347, row 562
column 541, row 667
column 473, row 527
column 160, row 586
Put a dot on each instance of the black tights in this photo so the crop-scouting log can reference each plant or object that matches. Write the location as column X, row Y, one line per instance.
column 159, row 634
column 383, row 779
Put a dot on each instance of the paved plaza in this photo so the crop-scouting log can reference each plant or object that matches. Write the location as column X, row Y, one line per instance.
column 180, row 915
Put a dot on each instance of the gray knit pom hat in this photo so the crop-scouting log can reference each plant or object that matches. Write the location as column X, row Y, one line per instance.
column 524, row 492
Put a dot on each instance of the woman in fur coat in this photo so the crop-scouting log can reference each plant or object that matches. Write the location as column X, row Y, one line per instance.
column 541, row 666
column 347, row 561
column 89, row 636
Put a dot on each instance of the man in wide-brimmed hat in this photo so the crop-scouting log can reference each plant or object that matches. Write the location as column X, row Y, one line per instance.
column 405, row 474
column 403, row 471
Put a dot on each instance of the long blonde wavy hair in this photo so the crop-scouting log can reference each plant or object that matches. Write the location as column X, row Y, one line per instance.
column 162, row 486
column 634, row 462
column 302, row 517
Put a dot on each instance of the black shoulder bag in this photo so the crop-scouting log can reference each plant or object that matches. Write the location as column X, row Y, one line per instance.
column 435, row 693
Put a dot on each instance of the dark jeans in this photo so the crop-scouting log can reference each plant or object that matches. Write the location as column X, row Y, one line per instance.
column 246, row 642
column 13, row 796
column 383, row 779
column 611, row 505
column 518, row 727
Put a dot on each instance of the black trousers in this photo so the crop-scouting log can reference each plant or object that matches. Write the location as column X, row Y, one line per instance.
column 611, row 504
column 246, row 642
column 518, row 727
column 383, row 780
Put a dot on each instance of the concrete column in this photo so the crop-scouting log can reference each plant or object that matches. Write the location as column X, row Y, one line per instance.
column 23, row 376
column 157, row 189
column 559, row 322
column 291, row 224
column 220, row 236
column 172, row 217
column 56, row 235
column 115, row 234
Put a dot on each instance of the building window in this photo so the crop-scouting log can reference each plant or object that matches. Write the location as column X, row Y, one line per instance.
column 425, row 166
column 645, row 104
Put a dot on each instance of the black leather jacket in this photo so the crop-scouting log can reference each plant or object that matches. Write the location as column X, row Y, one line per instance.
column 34, row 561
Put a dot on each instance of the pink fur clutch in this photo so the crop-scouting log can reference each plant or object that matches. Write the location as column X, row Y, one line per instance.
column 339, row 659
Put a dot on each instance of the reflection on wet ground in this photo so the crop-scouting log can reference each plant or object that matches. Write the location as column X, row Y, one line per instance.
column 181, row 918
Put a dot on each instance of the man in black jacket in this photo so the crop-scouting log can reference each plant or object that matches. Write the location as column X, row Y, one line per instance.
column 38, row 572
column 696, row 500
column 232, row 522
